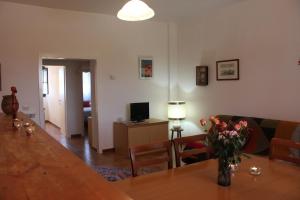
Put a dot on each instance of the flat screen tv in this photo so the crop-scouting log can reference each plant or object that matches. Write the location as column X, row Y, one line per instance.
column 139, row 111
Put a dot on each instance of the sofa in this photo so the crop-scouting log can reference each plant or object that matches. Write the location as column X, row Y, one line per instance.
column 263, row 130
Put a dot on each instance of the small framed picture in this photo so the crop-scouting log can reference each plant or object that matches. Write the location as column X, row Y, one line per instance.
column 146, row 67
column 202, row 75
column 228, row 70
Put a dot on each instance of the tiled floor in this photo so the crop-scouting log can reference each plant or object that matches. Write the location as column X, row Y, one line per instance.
column 80, row 146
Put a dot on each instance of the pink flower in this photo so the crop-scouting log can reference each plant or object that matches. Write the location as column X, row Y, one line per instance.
column 223, row 125
column 203, row 122
column 233, row 133
column 221, row 137
column 243, row 123
column 237, row 127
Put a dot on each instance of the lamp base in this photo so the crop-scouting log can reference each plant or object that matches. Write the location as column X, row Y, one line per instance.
column 176, row 128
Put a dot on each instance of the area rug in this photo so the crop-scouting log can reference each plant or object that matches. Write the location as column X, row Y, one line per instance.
column 113, row 173
column 117, row 173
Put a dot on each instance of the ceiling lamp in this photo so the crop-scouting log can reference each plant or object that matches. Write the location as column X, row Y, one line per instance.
column 135, row 10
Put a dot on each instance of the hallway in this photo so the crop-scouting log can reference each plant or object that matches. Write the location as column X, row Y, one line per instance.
column 80, row 147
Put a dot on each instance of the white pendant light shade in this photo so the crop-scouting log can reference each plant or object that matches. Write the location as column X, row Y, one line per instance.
column 135, row 10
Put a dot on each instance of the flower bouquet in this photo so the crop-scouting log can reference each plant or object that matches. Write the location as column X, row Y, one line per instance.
column 226, row 141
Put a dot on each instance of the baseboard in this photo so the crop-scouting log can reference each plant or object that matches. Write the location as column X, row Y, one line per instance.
column 108, row 150
column 47, row 121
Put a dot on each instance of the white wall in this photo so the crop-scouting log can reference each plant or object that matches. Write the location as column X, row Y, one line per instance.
column 265, row 36
column 54, row 102
column 29, row 33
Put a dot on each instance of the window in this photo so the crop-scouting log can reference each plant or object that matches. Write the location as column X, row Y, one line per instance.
column 86, row 86
column 45, row 81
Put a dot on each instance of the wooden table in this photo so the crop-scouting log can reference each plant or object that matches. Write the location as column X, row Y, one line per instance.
column 199, row 181
column 39, row 168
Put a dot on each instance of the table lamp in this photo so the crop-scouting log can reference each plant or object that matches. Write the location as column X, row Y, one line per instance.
column 176, row 112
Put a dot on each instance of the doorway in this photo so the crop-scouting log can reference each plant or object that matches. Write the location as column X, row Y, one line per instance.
column 54, row 96
column 74, row 100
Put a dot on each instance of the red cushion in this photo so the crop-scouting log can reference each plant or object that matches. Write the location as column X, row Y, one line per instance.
column 86, row 104
column 197, row 145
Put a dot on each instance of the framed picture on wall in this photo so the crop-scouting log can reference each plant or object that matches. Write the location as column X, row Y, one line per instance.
column 228, row 70
column 146, row 67
column 202, row 75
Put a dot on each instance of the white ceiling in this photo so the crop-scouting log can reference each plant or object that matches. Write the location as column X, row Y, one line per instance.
column 170, row 10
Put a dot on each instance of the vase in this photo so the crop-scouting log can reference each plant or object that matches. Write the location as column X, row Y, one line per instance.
column 224, row 172
column 10, row 104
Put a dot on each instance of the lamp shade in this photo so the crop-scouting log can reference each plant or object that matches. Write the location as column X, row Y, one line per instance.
column 176, row 110
column 135, row 10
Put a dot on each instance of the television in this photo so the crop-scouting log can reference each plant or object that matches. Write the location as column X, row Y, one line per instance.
column 139, row 111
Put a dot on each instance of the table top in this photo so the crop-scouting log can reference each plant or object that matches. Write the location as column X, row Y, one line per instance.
column 199, row 181
column 38, row 167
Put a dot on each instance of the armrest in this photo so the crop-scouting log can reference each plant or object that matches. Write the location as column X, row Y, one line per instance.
column 278, row 143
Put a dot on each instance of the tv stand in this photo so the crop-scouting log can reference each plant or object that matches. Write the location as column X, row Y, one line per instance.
column 136, row 122
column 127, row 134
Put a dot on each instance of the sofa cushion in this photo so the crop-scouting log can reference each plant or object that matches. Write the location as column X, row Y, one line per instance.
column 257, row 142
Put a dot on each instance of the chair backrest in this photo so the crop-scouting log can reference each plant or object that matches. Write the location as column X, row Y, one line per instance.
column 278, row 143
column 161, row 150
column 179, row 144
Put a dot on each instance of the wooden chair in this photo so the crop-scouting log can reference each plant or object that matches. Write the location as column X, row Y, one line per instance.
column 277, row 144
column 160, row 152
column 179, row 144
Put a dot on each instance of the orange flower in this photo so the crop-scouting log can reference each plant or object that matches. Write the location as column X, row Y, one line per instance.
column 203, row 122
column 216, row 121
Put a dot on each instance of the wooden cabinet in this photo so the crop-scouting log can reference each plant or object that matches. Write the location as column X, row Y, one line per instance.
column 127, row 134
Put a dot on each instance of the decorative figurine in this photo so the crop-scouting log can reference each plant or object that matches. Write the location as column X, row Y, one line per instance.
column 15, row 103
column 10, row 104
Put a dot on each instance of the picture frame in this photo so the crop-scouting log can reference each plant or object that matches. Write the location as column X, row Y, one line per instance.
column 228, row 70
column 201, row 75
column 145, row 67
